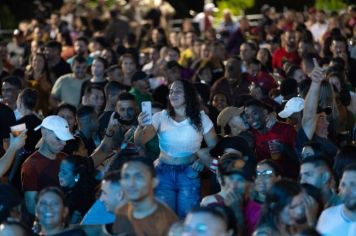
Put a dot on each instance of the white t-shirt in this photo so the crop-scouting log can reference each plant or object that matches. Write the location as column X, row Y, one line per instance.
column 179, row 139
column 318, row 30
column 333, row 222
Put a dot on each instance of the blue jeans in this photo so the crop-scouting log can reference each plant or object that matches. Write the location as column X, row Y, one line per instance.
column 179, row 187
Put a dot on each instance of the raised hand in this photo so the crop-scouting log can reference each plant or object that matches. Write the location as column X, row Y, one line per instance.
column 113, row 125
column 311, row 210
column 142, row 118
column 18, row 142
column 317, row 74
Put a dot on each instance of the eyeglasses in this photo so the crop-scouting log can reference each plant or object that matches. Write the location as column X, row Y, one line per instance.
column 264, row 173
column 199, row 228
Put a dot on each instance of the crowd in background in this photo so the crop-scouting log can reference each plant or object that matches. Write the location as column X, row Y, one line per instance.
column 251, row 127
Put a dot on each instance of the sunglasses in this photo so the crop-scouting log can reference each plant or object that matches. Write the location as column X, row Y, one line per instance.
column 264, row 173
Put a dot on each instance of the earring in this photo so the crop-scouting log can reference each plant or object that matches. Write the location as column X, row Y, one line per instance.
column 76, row 179
column 36, row 227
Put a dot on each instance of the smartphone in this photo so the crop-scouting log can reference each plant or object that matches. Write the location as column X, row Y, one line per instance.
column 146, row 107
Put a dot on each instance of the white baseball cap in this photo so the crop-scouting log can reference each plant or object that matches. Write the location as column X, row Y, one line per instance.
column 210, row 7
column 293, row 105
column 58, row 125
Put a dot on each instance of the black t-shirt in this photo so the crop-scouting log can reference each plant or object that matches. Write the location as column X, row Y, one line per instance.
column 31, row 121
column 328, row 147
column 7, row 119
column 89, row 143
column 61, row 68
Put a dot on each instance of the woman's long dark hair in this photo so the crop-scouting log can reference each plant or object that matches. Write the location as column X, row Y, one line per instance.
column 45, row 69
column 279, row 196
column 192, row 109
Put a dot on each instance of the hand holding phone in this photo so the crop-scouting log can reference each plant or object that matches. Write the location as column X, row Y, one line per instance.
column 146, row 108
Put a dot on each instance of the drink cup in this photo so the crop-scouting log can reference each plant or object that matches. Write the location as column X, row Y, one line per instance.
column 16, row 130
column 274, row 150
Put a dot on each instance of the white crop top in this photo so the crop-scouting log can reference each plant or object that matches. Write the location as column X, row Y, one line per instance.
column 179, row 139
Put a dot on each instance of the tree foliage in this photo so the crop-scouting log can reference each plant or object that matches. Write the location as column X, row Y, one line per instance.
column 330, row 5
column 237, row 7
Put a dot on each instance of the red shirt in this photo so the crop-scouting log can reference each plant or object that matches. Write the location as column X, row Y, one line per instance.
column 39, row 172
column 280, row 54
column 282, row 132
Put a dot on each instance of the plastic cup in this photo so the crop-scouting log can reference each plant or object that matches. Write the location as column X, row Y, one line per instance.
column 273, row 148
column 16, row 130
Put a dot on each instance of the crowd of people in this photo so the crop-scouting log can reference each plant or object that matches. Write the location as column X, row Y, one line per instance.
column 251, row 129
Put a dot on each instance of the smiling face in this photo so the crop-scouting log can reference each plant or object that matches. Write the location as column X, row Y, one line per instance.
column 51, row 211
column 256, row 117
column 219, row 101
column 176, row 95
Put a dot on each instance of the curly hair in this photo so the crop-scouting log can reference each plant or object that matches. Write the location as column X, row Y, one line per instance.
column 192, row 109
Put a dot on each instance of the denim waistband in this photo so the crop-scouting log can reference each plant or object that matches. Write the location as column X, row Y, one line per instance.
column 173, row 167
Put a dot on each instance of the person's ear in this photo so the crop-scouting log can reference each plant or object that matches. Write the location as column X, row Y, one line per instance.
column 44, row 133
column 325, row 177
column 120, row 194
column 155, row 182
column 65, row 213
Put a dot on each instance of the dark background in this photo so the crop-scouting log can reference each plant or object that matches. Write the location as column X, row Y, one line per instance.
column 12, row 11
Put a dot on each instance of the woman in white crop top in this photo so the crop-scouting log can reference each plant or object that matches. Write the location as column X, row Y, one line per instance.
column 180, row 129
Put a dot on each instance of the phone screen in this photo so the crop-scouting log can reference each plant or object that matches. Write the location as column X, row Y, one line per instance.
column 147, row 108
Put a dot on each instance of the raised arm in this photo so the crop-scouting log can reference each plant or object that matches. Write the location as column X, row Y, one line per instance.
column 15, row 144
column 311, row 101
column 105, row 148
column 143, row 133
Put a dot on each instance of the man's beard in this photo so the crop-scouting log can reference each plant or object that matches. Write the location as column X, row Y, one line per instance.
column 350, row 203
